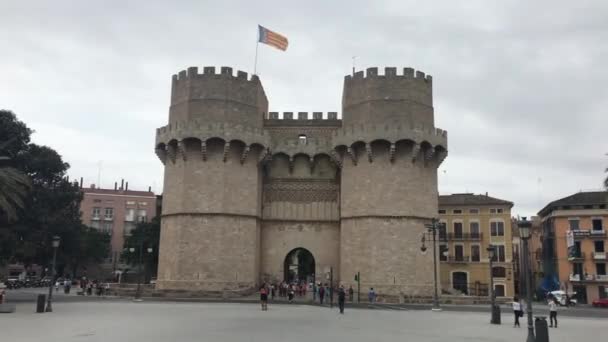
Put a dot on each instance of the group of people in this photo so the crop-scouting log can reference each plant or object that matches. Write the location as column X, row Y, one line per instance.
column 88, row 287
column 519, row 309
column 320, row 292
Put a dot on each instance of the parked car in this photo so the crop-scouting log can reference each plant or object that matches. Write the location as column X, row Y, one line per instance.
column 562, row 297
column 600, row 303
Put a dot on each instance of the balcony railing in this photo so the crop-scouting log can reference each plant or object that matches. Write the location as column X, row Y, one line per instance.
column 460, row 236
column 597, row 234
column 588, row 277
column 599, row 255
column 458, row 259
column 577, row 256
column 580, row 233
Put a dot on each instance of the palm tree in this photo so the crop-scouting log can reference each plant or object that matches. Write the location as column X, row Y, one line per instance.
column 14, row 186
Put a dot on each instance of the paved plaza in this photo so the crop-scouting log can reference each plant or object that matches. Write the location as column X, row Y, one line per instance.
column 165, row 321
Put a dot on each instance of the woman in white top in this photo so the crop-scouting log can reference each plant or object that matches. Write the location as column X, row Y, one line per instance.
column 517, row 312
column 552, row 312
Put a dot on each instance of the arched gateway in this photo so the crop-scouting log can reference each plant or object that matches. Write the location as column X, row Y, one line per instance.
column 299, row 266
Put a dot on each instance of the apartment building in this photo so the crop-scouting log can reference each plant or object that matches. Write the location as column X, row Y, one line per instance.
column 575, row 242
column 117, row 212
column 471, row 224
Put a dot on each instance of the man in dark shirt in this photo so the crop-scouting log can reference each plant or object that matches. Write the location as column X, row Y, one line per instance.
column 341, row 298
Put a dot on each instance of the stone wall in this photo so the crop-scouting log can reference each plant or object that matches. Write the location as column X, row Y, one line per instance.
column 279, row 238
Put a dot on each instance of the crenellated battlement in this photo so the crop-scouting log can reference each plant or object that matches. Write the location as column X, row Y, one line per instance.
column 389, row 73
column 210, row 71
column 302, row 116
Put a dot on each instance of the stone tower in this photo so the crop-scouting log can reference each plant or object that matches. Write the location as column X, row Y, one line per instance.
column 250, row 197
column 210, row 217
column 388, row 179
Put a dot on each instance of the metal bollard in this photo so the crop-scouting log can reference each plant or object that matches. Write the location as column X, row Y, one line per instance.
column 40, row 303
column 495, row 314
column 542, row 330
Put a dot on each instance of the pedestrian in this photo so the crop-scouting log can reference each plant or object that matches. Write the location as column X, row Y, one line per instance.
column 321, row 294
column 517, row 312
column 66, row 286
column 291, row 293
column 371, row 295
column 341, row 298
column 350, row 293
column 552, row 312
column 57, row 286
column 272, row 291
column 314, row 291
column 264, row 297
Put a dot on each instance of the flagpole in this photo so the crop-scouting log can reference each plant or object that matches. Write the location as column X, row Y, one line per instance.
column 255, row 63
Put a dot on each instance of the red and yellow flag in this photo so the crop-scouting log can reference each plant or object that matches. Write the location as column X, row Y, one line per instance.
column 272, row 38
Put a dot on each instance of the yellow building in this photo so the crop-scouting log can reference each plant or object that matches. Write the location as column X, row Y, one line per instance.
column 471, row 224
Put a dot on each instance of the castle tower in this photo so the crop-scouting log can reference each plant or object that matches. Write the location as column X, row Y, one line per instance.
column 390, row 151
column 210, row 227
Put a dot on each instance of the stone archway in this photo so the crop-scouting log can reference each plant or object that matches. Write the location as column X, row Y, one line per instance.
column 299, row 266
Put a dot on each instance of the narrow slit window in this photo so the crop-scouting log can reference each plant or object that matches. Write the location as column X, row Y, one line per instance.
column 302, row 139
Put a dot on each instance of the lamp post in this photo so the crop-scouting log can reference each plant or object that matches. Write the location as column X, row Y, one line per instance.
column 433, row 227
column 495, row 309
column 141, row 267
column 524, row 233
column 55, row 244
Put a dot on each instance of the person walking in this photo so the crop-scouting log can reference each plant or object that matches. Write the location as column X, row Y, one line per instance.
column 321, row 294
column 350, row 293
column 371, row 295
column 341, row 298
column 272, row 291
column 517, row 312
column 264, row 297
column 314, row 291
column 291, row 293
column 552, row 312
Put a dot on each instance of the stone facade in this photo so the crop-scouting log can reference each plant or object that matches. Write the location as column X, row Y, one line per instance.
column 245, row 188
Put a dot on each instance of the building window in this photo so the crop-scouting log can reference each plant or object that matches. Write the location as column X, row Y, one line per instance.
column 499, row 210
column 95, row 224
column 96, row 201
column 492, row 211
column 499, row 253
column 130, row 202
column 600, row 269
column 441, row 211
column 96, row 213
column 457, row 211
column 497, row 228
column 474, row 229
column 499, row 272
column 459, row 253
column 473, row 211
column 597, row 224
column 129, row 226
column 142, row 215
column 599, row 246
column 443, row 252
column 107, row 227
column 130, row 215
column 109, row 213
column 574, row 224
column 475, row 253
column 143, row 203
column 499, row 290
column 577, row 269
column 458, row 230
column 302, row 139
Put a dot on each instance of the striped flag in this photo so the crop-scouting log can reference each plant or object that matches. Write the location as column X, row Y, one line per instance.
column 272, row 38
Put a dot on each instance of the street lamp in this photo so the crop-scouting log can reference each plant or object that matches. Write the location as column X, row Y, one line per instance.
column 495, row 309
column 433, row 227
column 524, row 233
column 55, row 244
column 141, row 265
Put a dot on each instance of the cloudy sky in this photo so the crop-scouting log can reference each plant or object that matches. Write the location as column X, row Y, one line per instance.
column 521, row 86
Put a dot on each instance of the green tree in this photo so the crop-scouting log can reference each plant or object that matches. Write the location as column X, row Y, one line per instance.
column 14, row 187
column 145, row 235
column 52, row 206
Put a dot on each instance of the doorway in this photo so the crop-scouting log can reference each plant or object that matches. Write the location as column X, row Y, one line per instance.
column 299, row 266
column 460, row 282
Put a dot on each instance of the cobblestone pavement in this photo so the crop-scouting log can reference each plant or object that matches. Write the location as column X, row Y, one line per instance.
column 224, row 322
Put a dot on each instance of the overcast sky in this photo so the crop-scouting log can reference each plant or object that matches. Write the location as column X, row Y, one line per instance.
column 521, row 86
